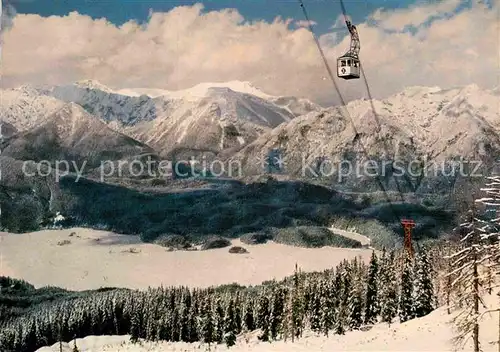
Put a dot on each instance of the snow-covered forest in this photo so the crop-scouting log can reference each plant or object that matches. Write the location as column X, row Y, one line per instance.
column 351, row 296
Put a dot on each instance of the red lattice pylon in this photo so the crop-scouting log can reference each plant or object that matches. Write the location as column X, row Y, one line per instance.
column 408, row 226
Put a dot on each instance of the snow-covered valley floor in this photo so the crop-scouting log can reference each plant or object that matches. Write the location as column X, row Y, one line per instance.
column 93, row 259
column 432, row 333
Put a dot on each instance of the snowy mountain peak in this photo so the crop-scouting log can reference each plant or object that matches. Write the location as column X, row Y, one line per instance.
column 198, row 91
column 419, row 90
column 27, row 90
column 203, row 89
column 471, row 88
column 93, row 84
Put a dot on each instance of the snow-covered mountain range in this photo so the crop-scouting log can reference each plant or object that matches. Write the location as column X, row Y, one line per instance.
column 431, row 124
column 245, row 123
column 211, row 115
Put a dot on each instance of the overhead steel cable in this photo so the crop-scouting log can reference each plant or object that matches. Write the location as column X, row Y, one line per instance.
column 323, row 56
column 375, row 115
column 377, row 121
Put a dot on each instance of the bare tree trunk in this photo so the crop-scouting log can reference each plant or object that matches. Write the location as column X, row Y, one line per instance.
column 60, row 337
column 490, row 280
column 475, row 333
column 448, row 284
column 448, row 294
column 476, row 308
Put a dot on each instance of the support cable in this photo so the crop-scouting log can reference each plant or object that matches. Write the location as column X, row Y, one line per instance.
column 342, row 100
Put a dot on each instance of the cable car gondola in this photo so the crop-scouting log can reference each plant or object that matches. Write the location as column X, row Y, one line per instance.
column 348, row 65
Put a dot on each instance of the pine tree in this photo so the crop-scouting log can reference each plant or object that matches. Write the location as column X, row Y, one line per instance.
column 238, row 314
column 207, row 325
column 230, row 325
column 174, row 324
column 315, row 309
column 263, row 316
column 355, row 299
column 295, row 308
column 406, row 295
column 388, row 292
column 193, row 317
column 249, row 318
column 184, row 323
column 490, row 231
column 480, row 253
column 466, row 265
column 277, row 310
column 135, row 326
column 424, row 292
column 343, row 284
column 327, row 305
column 372, row 308
column 219, row 321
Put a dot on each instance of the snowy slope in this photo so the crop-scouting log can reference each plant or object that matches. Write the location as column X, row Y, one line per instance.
column 365, row 241
column 25, row 107
column 72, row 134
column 433, row 332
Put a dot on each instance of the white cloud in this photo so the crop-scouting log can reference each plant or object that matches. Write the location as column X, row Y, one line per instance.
column 186, row 46
column 416, row 15
column 304, row 23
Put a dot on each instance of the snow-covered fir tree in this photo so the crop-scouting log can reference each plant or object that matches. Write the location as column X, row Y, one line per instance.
column 219, row 320
column 343, row 287
column 230, row 329
column 327, row 303
column 466, row 265
column 355, row 297
column 249, row 317
column 135, row 329
column 490, row 229
column 238, row 313
column 372, row 304
column 405, row 307
column 423, row 288
column 263, row 316
column 207, row 322
column 315, row 311
column 294, row 315
column 388, row 288
column 277, row 311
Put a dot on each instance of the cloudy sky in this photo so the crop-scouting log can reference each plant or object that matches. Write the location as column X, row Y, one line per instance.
column 177, row 44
